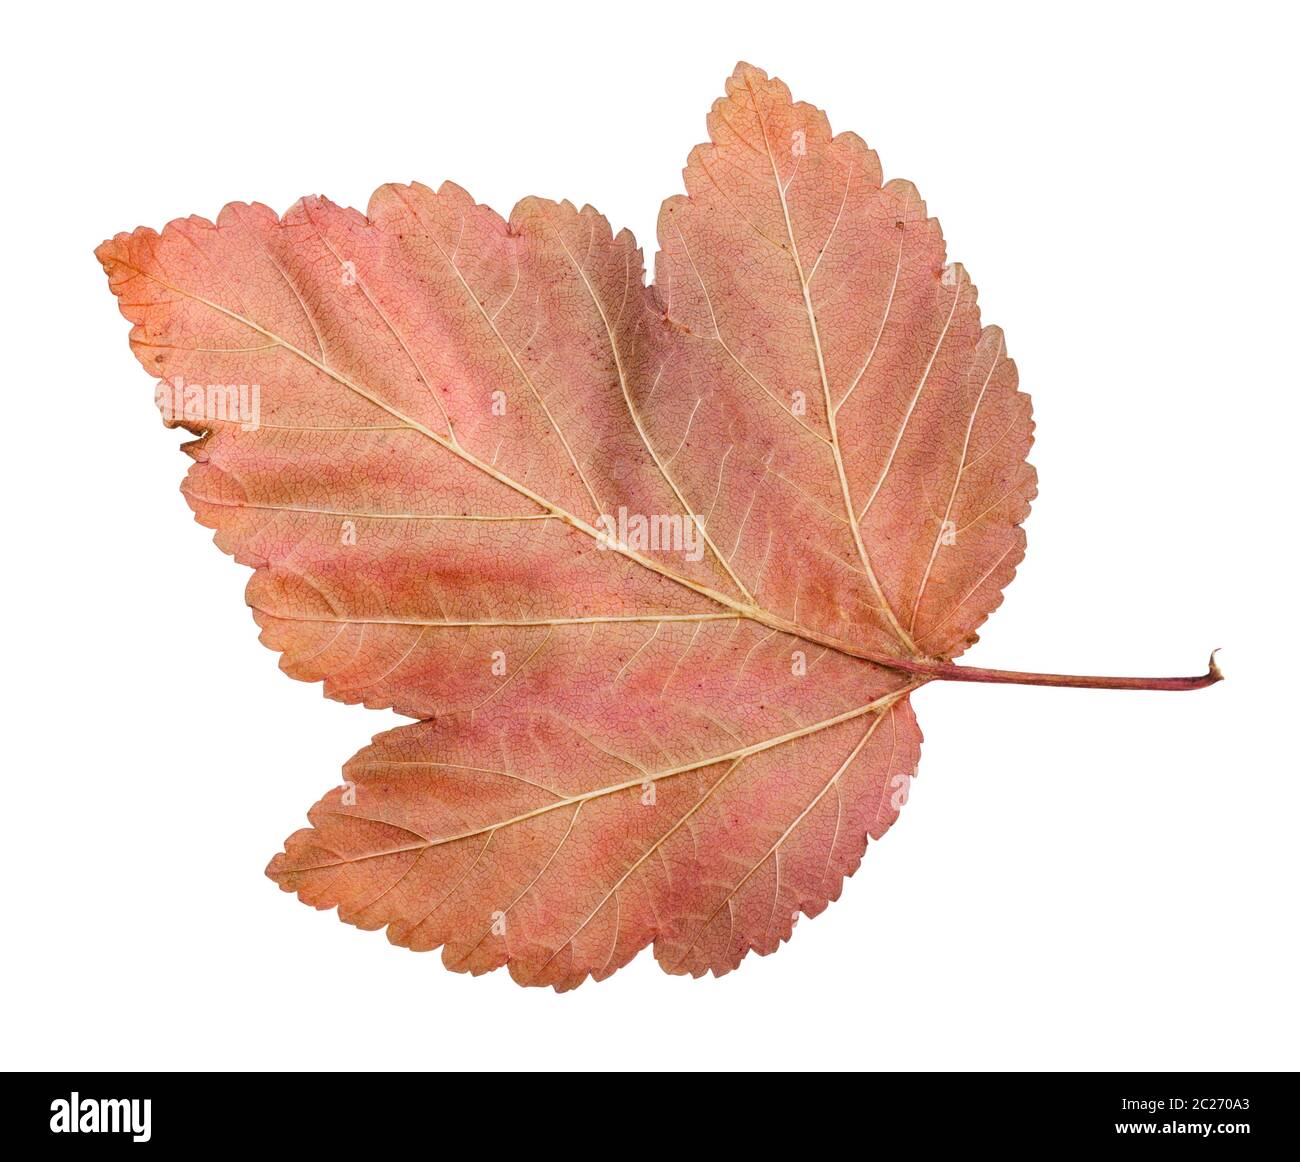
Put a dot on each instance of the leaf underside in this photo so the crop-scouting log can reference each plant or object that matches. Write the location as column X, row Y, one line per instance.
column 623, row 738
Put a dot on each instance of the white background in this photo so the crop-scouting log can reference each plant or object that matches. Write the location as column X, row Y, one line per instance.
column 1082, row 880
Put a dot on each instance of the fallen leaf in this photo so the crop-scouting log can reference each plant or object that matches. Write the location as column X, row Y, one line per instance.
column 657, row 567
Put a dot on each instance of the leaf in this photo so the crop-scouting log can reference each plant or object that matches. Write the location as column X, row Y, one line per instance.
column 563, row 847
column 463, row 427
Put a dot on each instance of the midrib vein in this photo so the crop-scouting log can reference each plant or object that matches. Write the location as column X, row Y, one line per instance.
column 507, row 623
column 845, row 493
column 873, row 707
column 473, row 518
column 744, row 609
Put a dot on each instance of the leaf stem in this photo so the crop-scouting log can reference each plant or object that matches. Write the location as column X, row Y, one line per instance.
column 951, row 672
column 938, row 671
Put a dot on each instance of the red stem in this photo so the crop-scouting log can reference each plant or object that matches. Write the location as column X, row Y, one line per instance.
column 951, row 672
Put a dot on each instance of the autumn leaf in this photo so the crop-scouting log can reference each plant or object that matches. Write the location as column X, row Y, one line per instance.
column 656, row 567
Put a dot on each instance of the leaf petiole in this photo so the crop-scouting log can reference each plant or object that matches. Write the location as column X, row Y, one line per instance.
column 951, row 672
